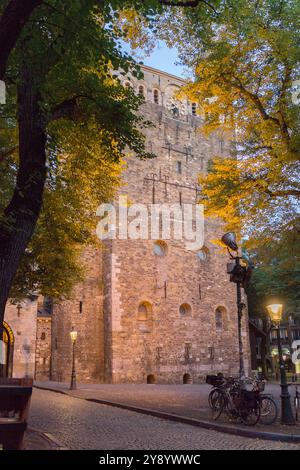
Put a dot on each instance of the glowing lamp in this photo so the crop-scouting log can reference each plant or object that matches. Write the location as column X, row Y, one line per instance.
column 275, row 312
column 73, row 335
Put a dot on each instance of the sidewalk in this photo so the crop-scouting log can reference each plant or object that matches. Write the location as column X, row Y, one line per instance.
column 183, row 403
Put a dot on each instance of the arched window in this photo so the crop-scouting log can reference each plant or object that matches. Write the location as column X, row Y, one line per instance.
column 127, row 85
column 160, row 248
column 203, row 254
column 144, row 317
column 141, row 91
column 220, row 318
column 187, row 379
column 194, row 109
column 156, row 96
column 151, row 379
column 185, row 309
column 43, row 336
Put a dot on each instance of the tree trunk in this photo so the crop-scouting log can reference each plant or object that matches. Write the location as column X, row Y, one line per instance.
column 20, row 216
column 12, row 21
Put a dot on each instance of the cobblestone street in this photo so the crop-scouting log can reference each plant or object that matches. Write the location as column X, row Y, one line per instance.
column 79, row 424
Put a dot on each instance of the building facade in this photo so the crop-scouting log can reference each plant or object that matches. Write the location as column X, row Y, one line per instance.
column 152, row 310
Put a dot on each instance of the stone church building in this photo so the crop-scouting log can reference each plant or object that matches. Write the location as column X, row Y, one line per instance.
column 148, row 310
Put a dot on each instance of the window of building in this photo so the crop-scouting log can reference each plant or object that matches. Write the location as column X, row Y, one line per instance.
column 296, row 334
column 151, row 379
column 220, row 318
column 144, row 316
column 127, row 85
column 194, row 109
column 160, row 248
column 179, row 168
column 187, row 379
column 80, row 306
column 185, row 309
column 141, row 91
column 43, row 336
column 143, row 311
column 155, row 96
column 203, row 254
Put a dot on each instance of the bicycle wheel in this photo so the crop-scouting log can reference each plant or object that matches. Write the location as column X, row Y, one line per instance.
column 210, row 397
column 249, row 413
column 218, row 402
column 268, row 410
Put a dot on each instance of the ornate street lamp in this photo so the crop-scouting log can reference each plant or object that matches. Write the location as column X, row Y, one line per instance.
column 238, row 275
column 274, row 309
column 73, row 335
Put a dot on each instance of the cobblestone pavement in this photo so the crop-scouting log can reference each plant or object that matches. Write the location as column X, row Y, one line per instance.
column 35, row 440
column 184, row 400
column 79, row 424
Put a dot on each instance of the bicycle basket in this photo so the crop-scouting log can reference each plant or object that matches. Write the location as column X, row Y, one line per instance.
column 214, row 380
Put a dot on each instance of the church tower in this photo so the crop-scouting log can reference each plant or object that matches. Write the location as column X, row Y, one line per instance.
column 151, row 310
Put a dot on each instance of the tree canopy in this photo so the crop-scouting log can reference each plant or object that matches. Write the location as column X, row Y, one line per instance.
column 65, row 54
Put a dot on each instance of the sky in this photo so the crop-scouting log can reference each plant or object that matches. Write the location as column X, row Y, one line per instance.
column 162, row 58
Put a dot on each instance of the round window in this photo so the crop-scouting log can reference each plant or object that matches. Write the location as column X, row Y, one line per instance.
column 184, row 309
column 160, row 248
column 203, row 254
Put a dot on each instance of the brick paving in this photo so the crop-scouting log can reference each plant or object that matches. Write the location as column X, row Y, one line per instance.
column 79, row 424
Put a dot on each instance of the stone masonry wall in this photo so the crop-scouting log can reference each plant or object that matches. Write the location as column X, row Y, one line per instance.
column 169, row 345
column 43, row 348
column 21, row 320
column 84, row 313
column 127, row 311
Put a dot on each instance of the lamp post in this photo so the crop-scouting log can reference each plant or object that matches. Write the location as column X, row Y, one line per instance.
column 238, row 274
column 73, row 335
column 275, row 312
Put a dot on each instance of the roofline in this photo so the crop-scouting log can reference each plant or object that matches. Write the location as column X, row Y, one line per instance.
column 161, row 72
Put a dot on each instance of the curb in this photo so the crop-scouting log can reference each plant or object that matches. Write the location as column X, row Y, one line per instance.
column 237, row 431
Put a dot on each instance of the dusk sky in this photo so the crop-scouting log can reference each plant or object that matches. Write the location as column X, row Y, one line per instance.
column 162, row 58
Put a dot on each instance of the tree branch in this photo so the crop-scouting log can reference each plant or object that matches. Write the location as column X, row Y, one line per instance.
column 283, row 192
column 66, row 109
column 12, row 22
column 190, row 3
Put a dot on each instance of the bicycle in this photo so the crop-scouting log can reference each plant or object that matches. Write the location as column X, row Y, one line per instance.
column 268, row 407
column 218, row 382
column 235, row 401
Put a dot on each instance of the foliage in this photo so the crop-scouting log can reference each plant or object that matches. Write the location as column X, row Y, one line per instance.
column 277, row 272
column 245, row 58
column 91, row 121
